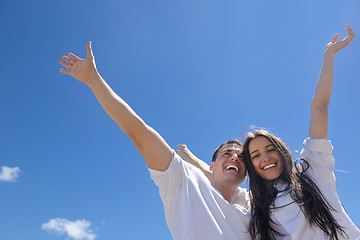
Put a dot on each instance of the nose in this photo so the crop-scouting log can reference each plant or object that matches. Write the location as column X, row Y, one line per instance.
column 234, row 157
column 265, row 157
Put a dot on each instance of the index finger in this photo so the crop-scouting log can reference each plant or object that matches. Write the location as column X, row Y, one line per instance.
column 349, row 30
column 73, row 56
column 348, row 38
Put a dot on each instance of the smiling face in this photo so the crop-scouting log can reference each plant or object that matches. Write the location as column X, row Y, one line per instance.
column 265, row 158
column 229, row 166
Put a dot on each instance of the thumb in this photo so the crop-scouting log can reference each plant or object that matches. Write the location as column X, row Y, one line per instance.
column 335, row 38
column 89, row 50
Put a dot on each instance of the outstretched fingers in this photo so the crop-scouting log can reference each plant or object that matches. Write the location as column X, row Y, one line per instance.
column 67, row 59
column 81, row 69
column 73, row 56
column 64, row 71
column 66, row 64
column 89, row 50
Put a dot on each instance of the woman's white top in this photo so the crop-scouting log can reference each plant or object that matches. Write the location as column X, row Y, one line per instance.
column 290, row 220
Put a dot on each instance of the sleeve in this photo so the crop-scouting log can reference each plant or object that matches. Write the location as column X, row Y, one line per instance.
column 176, row 187
column 170, row 181
column 242, row 200
column 318, row 153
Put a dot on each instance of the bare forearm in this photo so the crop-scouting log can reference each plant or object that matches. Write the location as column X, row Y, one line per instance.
column 119, row 111
column 325, row 82
column 150, row 144
column 321, row 100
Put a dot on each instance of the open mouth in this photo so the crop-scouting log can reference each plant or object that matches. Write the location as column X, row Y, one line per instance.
column 232, row 168
column 269, row 166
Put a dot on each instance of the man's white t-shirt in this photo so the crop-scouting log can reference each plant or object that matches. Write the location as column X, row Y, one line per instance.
column 195, row 210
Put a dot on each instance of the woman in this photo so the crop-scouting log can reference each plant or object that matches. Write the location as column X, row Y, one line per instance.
column 300, row 202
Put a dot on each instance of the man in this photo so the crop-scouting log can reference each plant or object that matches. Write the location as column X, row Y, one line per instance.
column 194, row 209
column 220, row 153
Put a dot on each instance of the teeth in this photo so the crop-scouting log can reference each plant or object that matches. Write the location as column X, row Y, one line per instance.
column 269, row 166
column 232, row 167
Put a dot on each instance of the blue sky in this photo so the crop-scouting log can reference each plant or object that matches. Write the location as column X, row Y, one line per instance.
column 200, row 72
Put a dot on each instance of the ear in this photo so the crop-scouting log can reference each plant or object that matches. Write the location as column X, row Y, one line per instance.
column 211, row 166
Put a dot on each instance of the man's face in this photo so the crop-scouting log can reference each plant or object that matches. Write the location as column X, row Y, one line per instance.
column 229, row 165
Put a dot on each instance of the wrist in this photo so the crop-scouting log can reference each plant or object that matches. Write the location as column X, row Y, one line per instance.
column 93, row 81
column 329, row 54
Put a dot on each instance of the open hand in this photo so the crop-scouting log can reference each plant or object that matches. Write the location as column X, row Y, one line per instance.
column 83, row 70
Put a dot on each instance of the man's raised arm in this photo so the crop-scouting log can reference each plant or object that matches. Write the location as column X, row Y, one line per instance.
column 150, row 144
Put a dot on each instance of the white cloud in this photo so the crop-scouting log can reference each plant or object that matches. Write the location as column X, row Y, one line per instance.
column 9, row 174
column 78, row 230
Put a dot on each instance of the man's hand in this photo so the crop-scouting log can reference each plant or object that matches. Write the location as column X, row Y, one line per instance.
column 150, row 144
column 83, row 70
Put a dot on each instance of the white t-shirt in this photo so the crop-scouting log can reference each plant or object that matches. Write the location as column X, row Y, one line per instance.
column 290, row 220
column 195, row 210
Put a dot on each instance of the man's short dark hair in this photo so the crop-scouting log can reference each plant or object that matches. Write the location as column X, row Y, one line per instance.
column 232, row 141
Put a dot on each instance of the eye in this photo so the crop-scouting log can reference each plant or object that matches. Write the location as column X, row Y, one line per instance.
column 255, row 156
column 271, row 149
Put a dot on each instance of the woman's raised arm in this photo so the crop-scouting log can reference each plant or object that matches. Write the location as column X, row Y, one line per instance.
column 319, row 105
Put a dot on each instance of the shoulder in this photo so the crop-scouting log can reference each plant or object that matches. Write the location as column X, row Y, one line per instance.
column 242, row 199
column 318, row 145
column 318, row 152
column 178, row 168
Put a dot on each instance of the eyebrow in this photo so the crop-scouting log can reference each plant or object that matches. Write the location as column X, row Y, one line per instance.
column 270, row 145
column 230, row 150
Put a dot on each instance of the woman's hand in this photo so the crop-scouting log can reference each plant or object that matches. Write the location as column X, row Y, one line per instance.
column 183, row 152
column 334, row 46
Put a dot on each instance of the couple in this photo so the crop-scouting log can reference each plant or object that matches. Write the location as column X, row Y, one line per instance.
column 283, row 202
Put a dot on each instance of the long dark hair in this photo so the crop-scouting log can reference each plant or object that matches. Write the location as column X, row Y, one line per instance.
column 300, row 187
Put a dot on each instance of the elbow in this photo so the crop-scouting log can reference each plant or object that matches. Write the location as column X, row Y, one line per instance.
column 318, row 106
column 136, row 130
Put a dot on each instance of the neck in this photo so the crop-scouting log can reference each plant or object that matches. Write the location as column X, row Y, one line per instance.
column 227, row 190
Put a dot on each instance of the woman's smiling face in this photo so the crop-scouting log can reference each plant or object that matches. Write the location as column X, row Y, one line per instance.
column 265, row 158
